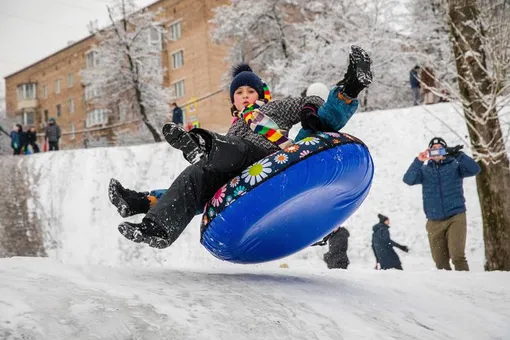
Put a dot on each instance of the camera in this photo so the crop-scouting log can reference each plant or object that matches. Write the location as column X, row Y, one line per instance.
column 437, row 152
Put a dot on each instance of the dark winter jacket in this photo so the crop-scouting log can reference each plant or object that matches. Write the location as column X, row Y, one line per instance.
column 336, row 257
column 52, row 133
column 285, row 113
column 382, row 245
column 413, row 79
column 442, row 191
column 177, row 117
column 31, row 137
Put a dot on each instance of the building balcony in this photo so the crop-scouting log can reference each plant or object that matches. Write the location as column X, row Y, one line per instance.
column 27, row 104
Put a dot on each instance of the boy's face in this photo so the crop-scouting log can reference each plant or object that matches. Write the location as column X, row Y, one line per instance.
column 245, row 96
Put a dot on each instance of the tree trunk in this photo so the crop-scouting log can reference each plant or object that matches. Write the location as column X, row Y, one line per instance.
column 153, row 131
column 484, row 130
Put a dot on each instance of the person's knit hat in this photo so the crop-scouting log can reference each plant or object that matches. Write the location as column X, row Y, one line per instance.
column 382, row 218
column 243, row 75
column 437, row 140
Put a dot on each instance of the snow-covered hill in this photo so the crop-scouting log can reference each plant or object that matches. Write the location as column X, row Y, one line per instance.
column 97, row 285
column 69, row 196
column 42, row 299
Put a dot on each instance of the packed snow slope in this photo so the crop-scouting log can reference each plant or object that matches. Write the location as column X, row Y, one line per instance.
column 69, row 196
column 43, row 299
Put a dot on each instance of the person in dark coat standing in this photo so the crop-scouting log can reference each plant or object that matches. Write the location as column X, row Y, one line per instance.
column 336, row 257
column 177, row 116
column 52, row 135
column 32, row 139
column 443, row 199
column 382, row 245
column 414, row 81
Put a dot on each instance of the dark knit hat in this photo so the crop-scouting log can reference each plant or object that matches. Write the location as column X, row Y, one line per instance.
column 242, row 75
column 437, row 140
column 382, row 218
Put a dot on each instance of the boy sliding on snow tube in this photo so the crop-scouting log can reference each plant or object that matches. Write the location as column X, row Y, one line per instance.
column 254, row 134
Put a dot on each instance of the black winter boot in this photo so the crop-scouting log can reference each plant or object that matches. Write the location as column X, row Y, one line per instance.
column 359, row 74
column 146, row 232
column 180, row 139
column 128, row 202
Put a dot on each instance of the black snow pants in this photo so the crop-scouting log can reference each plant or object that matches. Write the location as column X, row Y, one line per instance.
column 227, row 157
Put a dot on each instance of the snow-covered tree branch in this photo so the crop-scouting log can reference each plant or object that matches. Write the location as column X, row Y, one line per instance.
column 128, row 72
column 294, row 43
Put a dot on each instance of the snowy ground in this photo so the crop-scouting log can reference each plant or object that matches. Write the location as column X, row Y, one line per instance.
column 97, row 285
column 42, row 299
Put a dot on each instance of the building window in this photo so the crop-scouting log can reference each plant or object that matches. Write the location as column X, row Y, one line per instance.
column 57, row 86
column 45, row 91
column 70, row 105
column 175, row 30
column 97, row 117
column 155, row 37
column 91, row 59
column 29, row 118
column 59, row 110
column 73, row 130
column 179, row 89
column 27, row 91
column 178, row 59
column 46, row 114
column 92, row 92
column 70, row 80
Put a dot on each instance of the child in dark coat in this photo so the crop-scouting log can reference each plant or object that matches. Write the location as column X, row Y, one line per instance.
column 258, row 130
column 338, row 240
column 382, row 245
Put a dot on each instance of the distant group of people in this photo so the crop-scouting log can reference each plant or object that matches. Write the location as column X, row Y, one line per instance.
column 25, row 142
column 423, row 86
column 440, row 170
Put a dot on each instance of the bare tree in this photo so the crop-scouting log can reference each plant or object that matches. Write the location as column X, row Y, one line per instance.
column 481, row 49
column 130, row 72
column 294, row 43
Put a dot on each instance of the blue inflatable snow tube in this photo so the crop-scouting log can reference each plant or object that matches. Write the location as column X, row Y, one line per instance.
column 292, row 209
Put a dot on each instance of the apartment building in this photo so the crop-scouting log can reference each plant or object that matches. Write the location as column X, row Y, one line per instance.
column 52, row 87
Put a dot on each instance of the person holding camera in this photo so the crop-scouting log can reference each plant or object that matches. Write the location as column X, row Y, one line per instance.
column 443, row 199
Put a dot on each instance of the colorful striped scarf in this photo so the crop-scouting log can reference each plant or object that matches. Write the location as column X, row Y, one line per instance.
column 264, row 125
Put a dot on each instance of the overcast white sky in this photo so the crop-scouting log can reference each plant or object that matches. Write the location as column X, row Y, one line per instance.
column 33, row 29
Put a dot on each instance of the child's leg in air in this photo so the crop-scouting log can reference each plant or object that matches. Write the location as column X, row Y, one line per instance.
column 342, row 103
column 191, row 190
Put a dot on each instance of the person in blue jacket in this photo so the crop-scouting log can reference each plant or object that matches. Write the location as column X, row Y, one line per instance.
column 443, row 199
column 382, row 245
column 17, row 139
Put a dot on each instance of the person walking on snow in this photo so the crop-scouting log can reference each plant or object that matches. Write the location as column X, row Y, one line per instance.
column 382, row 245
column 215, row 158
column 52, row 135
column 443, row 199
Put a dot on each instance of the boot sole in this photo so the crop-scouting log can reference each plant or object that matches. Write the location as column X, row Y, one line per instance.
column 117, row 200
column 180, row 139
column 361, row 60
column 132, row 233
